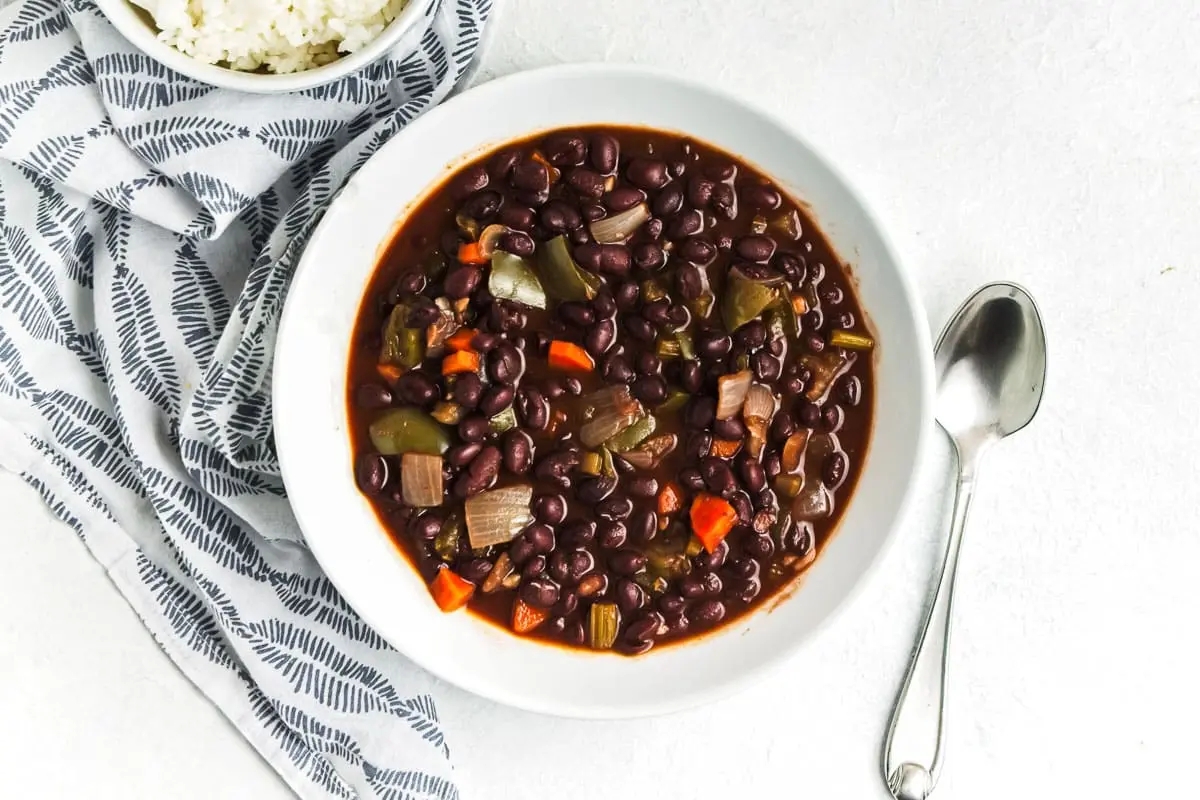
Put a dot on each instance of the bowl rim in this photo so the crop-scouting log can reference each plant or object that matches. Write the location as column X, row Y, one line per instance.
column 124, row 16
column 923, row 372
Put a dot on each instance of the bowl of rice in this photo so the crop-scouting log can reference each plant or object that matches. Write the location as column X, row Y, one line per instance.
column 265, row 46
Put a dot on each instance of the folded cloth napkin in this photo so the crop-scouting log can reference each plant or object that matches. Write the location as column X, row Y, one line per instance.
column 149, row 225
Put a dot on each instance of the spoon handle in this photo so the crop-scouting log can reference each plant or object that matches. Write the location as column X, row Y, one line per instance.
column 912, row 753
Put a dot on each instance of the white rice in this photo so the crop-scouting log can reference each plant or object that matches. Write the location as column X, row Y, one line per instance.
column 279, row 35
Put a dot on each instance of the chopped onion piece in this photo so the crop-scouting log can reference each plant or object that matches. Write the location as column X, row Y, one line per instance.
column 609, row 412
column 489, row 238
column 513, row 279
column 731, row 393
column 421, row 479
column 649, row 453
column 503, row 568
column 619, row 227
column 793, row 450
column 497, row 516
column 757, row 411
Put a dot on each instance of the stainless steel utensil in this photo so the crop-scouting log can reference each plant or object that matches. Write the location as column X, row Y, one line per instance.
column 991, row 366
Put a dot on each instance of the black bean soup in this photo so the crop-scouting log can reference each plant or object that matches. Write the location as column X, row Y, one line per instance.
column 609, row 388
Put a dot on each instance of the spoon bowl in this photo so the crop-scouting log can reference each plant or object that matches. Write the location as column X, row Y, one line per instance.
column 991, row 368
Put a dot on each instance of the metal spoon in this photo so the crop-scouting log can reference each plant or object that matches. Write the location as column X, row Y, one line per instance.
column 991, row 365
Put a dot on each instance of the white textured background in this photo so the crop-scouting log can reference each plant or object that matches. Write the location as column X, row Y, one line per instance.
column 1051, row 142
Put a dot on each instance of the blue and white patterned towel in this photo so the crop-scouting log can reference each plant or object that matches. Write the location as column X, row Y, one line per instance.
column 149, row 225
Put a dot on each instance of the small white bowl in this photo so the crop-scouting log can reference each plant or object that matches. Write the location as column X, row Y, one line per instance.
column 136, row 25
column 310, row 399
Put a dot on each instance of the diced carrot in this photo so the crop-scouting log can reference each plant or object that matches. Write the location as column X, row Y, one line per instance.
column 712, row 520
column 389, row 372
column 724, row 448
column 569, row 356
column 525, row 617
column 472, row 253
column 461, row 340
column 462, row 361
column 799, row 304
column 670, row 498
column 450, row 590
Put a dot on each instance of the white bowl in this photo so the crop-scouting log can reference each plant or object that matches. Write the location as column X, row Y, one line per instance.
column 136, row 25
column 310, row 399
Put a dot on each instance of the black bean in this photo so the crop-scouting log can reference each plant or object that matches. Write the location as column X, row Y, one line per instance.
column 579, row 532
column 708, row 612
column 495, row 400
column 423, row 315
column 690, row 281
column 579, row 564
column 468, row 485
column 503, row 162
column 644, row 526
column 555, row 467
column 530, row 175
column 604, row 153
column 724, row 201
column 518, row 452
column 808, row 414
column 482, row 205
column 766, row 366
column 791, row 265
column 699, row 412
column 630, row 596
column 812, row 319
column 640, row 329
column 593, row 211
column 671, row 604
column 668, row 201
column 600, row 337
column 760, row 546
column 626, row 295
column 611, row 534
column 539, row 592
column 552, row 387
column 831, row 295
column 731, row 428
column 844, row 320
column 725, row 171
column 372, row 396
column 564, row 149
column 487, row 463
column 712, row 561
column 814, row 342
column 700, row 191
column 699, row 444
column 761, row 197
column 485, row 342
column 691, row 378
column 417, row 388
column 557, row 567
column 651, row 390
column 593, row 490
column 643, row 486
column 586, row 182
column 520, row 551
column 833, row 471
column 559, row 217
column 475, row 570
column 541, row 537
column 506, row 316
column 517, row 242
column 686, row 223
column 691, row 587
column 772, row 464
column 473, row 428
column 617, row 506
column 568, row 601
column 653, row 228
column 615, row 259
column 757, row 248
column 470, row 180
column 698, row 250
column 717, row 476
column 574, row 386
column 678, row 316
column 753, row 476
column 463, row 454
column 577, row 313
column 711, row 583
column 743, row 590
column 648, row 256
column 534, row 567
column 506, row 364
column 462, row 281
column 657, row 311
column 426, row 526
column 623, row 198
column 849, row 390
column 645, row 630
column 372, row 473
column 744, row 568
column 691, row 479
column 713, row 344
column 647, row 173
column 532, row 408
column 467, row 390
column 412, row 283
column 753, row 334
column 627, row 562
column 616, row 369
column 832, row 418
column 550, row 509
column 517, row 217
